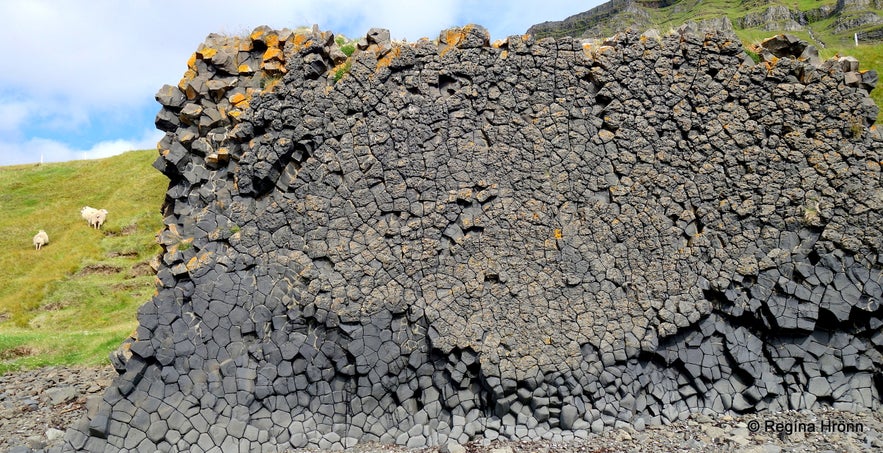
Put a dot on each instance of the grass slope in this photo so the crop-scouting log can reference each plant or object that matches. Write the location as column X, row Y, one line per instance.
column 74, row 301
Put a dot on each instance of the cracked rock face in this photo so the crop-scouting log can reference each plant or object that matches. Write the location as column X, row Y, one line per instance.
column 459, row 240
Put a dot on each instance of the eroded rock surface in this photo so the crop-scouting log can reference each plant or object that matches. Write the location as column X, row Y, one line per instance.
column 458, row 240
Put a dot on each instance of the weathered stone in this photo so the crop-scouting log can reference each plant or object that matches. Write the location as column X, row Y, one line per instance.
column 445, row 245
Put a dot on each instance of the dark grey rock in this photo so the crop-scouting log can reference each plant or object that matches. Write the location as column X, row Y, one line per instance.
column 457, row 240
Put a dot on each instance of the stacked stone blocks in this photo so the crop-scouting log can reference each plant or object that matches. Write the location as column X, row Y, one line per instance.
column 525, row 239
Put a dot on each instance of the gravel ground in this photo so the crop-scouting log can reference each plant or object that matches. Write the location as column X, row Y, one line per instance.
column 36, row 406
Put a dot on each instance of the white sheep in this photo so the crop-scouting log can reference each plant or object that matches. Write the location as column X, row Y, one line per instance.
column 95, row 217
column 98, row 218
column 40, row 239
column 87, row 213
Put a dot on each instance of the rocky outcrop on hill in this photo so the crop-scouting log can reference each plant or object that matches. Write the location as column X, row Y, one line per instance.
column 450, row 240
column 602, row 20
column 850, row 17
column 777, row 17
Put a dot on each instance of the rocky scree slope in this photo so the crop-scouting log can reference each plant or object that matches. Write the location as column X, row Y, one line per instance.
column 459, row 240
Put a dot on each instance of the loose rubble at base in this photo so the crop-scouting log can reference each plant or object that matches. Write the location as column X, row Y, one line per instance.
column 37, row 406
column 440, row 242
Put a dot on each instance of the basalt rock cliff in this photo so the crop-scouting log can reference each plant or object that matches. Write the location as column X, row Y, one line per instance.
column 447, row 240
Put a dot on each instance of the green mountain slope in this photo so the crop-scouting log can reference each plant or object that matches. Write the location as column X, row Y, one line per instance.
column 830, row 25
column 74, row 300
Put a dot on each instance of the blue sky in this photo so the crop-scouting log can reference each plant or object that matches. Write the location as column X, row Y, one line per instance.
column 80, row 75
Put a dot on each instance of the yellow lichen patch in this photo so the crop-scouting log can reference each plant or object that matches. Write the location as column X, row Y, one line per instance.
column 504, row 54
column 558, row 234
column 184, row 84
column 272, row 40
column 191, row 62
column 273, row 53
column 455, row 36
column 257, row 34
column 387, row 59
column 186, row 78
column 198, row 261
column 245, row 69
column 207, row 53
column 300, row 40
column 237, row 98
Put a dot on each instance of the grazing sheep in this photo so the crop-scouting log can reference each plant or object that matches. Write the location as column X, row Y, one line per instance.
column 87, row 213
column 41, row 239
column 98, row 218
column 95, row 217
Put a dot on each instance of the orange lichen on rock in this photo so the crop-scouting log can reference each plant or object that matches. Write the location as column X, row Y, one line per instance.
column 198, row 261
column 453, row 37
column 272, row 40
column 300, row 40
column 238, row 99
column 273, row 53
column 257, row 35
column 387, row 58
column 206, row 53
column 184, row 84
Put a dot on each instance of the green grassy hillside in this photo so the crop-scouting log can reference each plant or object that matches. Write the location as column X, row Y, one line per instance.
column 74, row 301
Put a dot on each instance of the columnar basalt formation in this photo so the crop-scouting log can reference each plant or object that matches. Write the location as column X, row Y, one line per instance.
column 529, row 239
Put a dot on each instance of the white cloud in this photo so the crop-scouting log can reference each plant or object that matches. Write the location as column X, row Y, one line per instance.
column 14, row 115
column 48, row 150
column 73, row 62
